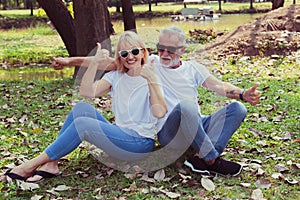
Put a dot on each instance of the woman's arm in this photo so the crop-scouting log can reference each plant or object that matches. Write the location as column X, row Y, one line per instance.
column 91, row 89
column 158, row 103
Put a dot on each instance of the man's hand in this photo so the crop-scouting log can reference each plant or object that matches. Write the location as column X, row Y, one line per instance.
column 59, row 63
column 252, row 95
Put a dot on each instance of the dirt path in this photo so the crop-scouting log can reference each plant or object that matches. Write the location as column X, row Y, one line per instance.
column 275, row 33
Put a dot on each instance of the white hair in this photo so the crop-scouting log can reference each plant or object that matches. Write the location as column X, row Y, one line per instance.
column 174, row 31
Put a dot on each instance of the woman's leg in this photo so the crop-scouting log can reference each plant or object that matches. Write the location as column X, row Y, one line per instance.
column 43, row 160
column 27, row 168
column 81, row 109
column 123, row 144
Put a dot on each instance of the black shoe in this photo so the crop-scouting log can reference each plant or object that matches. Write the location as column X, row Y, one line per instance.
column 224, row 167
column 197, row 165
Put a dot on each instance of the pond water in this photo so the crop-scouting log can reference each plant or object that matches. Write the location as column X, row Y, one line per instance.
column 147, row 28
column 35, row 73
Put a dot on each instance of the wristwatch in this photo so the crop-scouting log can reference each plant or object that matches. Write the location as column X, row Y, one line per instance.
column 241, row 95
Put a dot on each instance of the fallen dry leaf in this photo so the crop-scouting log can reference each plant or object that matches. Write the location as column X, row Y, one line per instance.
column 263, row 183
column 207, row 184
column 27, row 186
column 245, row 184
column 257, row 195
column 36, row 197
column 276, row 175
column 159, row 175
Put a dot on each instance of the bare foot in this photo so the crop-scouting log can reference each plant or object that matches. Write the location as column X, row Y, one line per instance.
column 23, row 170
column 50, row 167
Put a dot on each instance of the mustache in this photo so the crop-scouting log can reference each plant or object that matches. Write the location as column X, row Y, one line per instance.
column 168, row 57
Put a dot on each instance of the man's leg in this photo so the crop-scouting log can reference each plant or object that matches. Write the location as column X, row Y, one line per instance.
column 221, row 125
column 182, row 124
column 183, row 129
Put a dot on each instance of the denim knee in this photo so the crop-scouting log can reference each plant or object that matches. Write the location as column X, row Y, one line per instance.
column 238, row 109
column 81, row 106
column 82, row 125
column 188, row 107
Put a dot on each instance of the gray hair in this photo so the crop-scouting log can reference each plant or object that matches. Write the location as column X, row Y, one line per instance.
column 175, row 31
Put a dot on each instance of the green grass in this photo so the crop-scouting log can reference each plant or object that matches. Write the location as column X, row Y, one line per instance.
column 33, row 112
column 34, row 45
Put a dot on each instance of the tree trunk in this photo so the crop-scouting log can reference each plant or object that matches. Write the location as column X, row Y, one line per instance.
column 18, row 4
column 118, row 9
column 251, row 4
column 93, row 25
column 95, row 29
column 31, row 8
column 128, row 16
column 277, row 4
column 62, row 21
column 4, row 4
column 220, row 5
column 149, row 3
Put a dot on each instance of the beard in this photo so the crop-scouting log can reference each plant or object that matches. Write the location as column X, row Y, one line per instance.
column 171, row 62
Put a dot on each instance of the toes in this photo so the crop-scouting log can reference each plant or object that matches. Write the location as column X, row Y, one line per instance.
column 35, row 178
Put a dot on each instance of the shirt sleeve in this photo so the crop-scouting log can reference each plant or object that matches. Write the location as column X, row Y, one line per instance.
column 109, row 77
column 201, row 73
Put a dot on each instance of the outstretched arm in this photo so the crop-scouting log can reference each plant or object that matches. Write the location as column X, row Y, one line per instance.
column 101, row 59
column 250, row 95
column 158, row 103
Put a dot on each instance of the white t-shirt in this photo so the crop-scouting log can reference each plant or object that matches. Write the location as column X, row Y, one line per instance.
column 179, row 84
column 131, row 103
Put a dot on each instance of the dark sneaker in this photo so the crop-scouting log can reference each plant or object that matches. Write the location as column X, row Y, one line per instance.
column 197, row 165
column 224, row 167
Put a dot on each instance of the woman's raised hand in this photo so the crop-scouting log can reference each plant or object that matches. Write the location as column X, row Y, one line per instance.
column 147, row 71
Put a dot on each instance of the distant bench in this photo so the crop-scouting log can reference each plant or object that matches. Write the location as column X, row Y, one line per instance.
column 185, row 2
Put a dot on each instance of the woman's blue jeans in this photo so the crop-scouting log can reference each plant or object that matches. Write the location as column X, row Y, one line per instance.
column 85, row 123
column 207, row 135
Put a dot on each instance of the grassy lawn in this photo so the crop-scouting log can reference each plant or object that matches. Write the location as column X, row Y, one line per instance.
column 267, row 143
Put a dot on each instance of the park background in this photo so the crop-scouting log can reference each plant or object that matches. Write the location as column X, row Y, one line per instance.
column 35, row 101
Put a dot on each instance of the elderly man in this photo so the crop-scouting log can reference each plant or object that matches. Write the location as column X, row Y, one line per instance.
column 208, row 135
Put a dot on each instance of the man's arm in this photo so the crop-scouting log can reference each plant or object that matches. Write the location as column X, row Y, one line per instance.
column 250, row 95
column 101, row 60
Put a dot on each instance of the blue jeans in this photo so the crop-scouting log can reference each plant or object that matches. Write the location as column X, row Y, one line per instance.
column 85, row 123
column 207, row 135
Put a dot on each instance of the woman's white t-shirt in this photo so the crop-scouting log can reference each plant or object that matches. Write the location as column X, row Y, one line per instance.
column 131, row 103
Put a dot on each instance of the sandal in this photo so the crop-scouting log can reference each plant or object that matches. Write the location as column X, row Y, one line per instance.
column 14, row 176
column 44, row 175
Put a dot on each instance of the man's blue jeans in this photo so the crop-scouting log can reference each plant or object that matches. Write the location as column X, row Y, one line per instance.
column 208, row 135
column 85, row 123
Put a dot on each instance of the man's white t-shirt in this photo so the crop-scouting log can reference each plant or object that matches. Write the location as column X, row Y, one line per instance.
column 179, row 84
column 131, row 103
